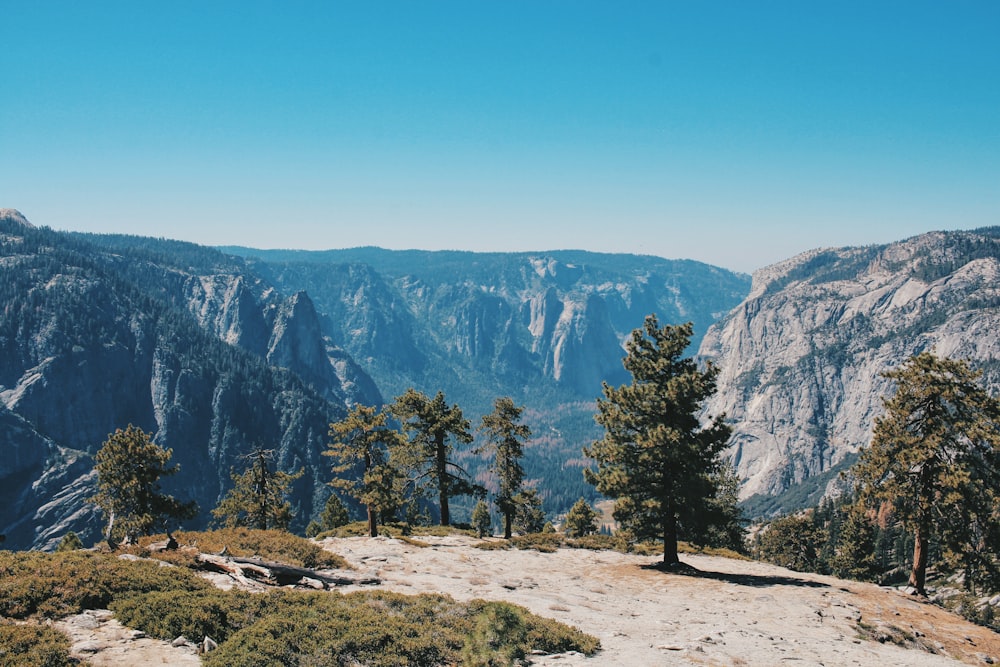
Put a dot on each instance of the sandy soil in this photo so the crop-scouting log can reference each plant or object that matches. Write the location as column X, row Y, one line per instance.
column 724, row 612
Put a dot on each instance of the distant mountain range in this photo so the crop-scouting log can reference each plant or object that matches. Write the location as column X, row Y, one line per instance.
column 216, row 351
column 216, row 354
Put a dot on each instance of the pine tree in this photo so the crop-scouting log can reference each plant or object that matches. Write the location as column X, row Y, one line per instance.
column 129, row 467
column 433, row 426
column 362, row 443
column 935, row 457
column 528, row 515
column 481, row 521
column 656, row 460
column 505, row 438
column 258, row 497
column 334, row 514
column 70, row 542
column 854, row 554
column 581, row 520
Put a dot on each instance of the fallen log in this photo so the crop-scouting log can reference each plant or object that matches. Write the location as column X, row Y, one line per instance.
column 281, row 574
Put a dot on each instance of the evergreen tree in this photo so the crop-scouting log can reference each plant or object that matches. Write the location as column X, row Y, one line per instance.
column 433, row 426
column 793, row 542
column 656, row 460
column 481, row 521
column 505, row 438
column 528, row 516
column 935, row 457
column 258, row 497
column 581, row 520
column 129, row 467
column 362, row 444
column 854, row 545
column 334, row 514
column 70, row 542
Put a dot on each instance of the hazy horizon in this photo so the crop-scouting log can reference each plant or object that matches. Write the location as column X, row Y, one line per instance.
column 729, row 133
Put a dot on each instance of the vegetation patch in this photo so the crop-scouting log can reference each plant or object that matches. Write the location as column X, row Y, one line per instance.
column 272, row 545
column 60, row 584
column 29, row 644
column 371, row 628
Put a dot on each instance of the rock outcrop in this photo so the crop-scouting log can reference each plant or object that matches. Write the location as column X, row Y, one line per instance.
column 802, row 357
column 100, row 332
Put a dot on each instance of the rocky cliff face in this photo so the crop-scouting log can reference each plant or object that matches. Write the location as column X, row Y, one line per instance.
column 557, row 319
column 543, row 328
column 802, row 357
column 100, row 332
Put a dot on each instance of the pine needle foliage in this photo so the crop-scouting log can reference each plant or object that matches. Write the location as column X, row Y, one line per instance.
column 656, row 459
column 434, row 428
column 361, row 447
column 129, row 467
column 935, row 458
column 505, row 440
column 258, row 497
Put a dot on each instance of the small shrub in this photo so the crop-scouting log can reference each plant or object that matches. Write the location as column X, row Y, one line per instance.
column 69, row 542
column 36, row 645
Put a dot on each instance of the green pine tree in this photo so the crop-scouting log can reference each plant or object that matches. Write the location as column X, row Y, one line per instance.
column 656, row 459
column 129, row 467
column 505, row 439
column 935, row 457
column 434, row 427
column 581, row 520
column 258, row 498
column 481, row 521
column 361, row 447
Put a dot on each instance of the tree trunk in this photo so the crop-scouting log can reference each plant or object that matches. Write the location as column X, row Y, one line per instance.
column 918, row 575
column 670, row 541
column 442, row 475
column 372, row 522
column 507, row 520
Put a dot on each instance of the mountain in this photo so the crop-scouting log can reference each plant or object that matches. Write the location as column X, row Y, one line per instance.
column 802, row 357
column 544, row 328
column 97, row 332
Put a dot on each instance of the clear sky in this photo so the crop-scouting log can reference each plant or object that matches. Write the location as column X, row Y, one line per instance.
column 736, row 133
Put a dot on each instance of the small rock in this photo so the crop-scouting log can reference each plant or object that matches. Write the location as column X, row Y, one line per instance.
column 208, row 644
column 180, row 641
column 87, row 647
column 137, row 634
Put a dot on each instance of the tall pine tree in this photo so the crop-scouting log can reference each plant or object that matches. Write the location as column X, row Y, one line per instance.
column 258, row 497
column 935, row 458
column 361, row 447
column 434, row 427
column 129, row 467
column 505, row 439
column 657, row 460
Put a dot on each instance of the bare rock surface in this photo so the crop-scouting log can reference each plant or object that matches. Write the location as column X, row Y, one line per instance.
column 99, row 639
column 719, row 612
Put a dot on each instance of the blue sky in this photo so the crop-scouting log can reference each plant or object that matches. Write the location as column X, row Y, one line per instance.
column 736, row 133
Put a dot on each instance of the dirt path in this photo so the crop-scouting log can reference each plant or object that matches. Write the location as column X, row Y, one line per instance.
column 727, row 613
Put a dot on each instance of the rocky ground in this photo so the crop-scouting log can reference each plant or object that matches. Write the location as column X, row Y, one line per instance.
column 723, row 612
column 717, row 612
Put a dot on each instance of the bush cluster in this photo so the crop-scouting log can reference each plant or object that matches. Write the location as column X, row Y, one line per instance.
column 36, row 645
column 60, row 584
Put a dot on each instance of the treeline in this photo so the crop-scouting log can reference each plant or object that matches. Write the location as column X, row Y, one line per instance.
column 401, row 463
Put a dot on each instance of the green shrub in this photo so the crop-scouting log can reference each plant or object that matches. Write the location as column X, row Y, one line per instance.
column 60, row 584
column 36, row 645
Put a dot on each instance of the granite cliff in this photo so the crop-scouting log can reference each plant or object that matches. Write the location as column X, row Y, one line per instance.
column 802, row 357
